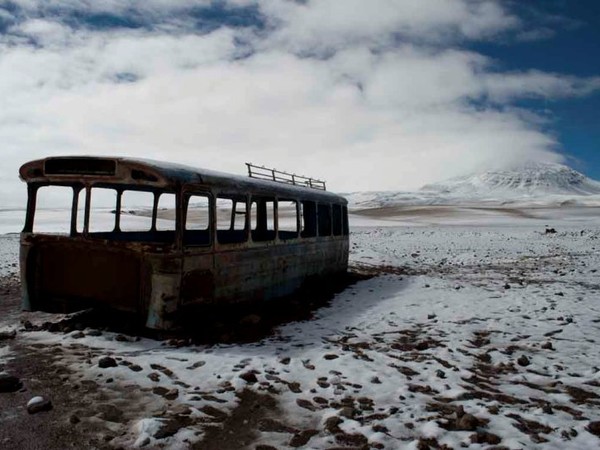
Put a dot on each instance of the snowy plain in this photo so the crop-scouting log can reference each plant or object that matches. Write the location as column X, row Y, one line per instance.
column 478, row 329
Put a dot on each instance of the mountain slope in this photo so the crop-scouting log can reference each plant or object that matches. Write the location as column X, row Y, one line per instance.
column 530, row 180
column 536, row 184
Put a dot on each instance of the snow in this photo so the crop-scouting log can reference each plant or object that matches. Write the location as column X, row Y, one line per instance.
column 451, row 295
column 452, row 291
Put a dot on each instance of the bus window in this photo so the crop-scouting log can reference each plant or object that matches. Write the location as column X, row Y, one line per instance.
column 53, row 210
column 197, row 221
column 136, row 211
column 166, row 212
column 345, row 220
column 309, row 219
column 102, row 210
column 324, row 214
column 287, row 219
column 263, row 219
column 231, row 220
column 337, row 220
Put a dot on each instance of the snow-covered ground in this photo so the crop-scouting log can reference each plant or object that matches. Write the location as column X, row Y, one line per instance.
column 474, row 332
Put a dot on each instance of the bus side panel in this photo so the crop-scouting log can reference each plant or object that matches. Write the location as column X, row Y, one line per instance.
column 266, row 272
column 65, row 276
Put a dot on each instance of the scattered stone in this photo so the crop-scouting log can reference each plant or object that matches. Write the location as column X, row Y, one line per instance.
column 467, row 422
column 135, row 368
column 249, row 377
column 330, row 356
column 106, row 362
column 440, row 374
column 8, row 383
column 285, row 361
column 38, row 404
column 169, row 394
column 483, row 437
column 196, row 365
column 507, row 286
column 375, row 380
column 154, row 376
column 6, row 335
column 347, row 412
column 78, row 335
column 523, row 361
column 594, row 428
column 295, row 387
column 332, row 425
column 306, row 404
column 302, row 438
column 547, row 346
column 431, row 316
column 547, row 409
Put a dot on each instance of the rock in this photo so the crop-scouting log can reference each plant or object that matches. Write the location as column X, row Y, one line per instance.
column 94, row 333
column 6, row 335
column 523, row 361
column 347, row 412
column 295, row 387
column 483, row 437
column 507, row 286
column 38, row 404
column 306, row 404
column 74, row 420
column 78, row 335
column 375, row 380
column 154, row 376
column 8, row 383
column 169, row 394
column 594, row 428
column 302, row 438
column 467, row 422
column 440, row 373
column 121, row 338
column 330, row 356
column 106, row 362
column 249, row 377
column 285, row 361
column 332, row 425
column 214, row 412
column 135, row 368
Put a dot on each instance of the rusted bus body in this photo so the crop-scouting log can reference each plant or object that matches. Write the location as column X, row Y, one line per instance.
column 158, row 274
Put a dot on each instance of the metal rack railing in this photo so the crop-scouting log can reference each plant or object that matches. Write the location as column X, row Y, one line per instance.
column 279, row 176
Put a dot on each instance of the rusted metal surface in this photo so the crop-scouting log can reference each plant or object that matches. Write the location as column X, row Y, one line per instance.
column 155, row 274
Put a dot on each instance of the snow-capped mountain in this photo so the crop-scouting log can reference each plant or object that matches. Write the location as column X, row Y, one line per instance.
column 537, row 184
column 533, row 179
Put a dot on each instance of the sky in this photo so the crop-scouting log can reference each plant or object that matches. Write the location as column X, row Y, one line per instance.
column 368, row 95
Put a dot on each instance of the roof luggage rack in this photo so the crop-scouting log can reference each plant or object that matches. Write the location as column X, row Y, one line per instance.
column 264, row 173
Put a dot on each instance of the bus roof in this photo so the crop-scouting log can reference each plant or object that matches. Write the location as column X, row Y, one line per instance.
column 90, row 170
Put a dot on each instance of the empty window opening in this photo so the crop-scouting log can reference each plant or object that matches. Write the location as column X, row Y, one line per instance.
column 345, row 220
column 166, row 212
column 337, row 219
column 136, row 211
column 263, row 219
column 197, row 220
column 231, row 220
column 324, row 213
column 103, row 209
column 309, row 219
column 53, row 210
column 287, row 219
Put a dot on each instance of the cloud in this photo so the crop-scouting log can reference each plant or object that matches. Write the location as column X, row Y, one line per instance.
column 367, row 97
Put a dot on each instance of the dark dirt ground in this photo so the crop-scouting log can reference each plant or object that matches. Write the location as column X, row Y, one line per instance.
column 95, row 415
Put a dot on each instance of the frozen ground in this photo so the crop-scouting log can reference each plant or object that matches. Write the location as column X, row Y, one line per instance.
column 474, row 332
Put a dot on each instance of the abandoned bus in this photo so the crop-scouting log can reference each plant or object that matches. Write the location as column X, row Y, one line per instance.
column 154, row 238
